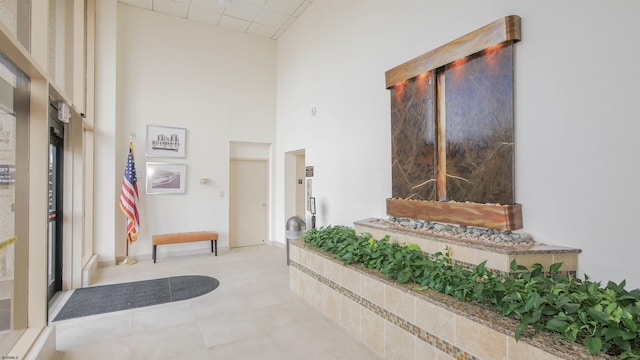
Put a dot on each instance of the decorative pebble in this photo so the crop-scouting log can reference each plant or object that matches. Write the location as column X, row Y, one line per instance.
column 505, row 237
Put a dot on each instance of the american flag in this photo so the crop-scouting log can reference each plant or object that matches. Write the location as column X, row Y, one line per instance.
column 129, row 198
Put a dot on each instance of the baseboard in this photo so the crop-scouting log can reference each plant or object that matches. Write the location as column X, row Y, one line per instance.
column 222, row 249
column 44, row 348
column 89, row 271
column 277, row 243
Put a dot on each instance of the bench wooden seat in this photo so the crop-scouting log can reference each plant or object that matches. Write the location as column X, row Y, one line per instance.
column 163, row 239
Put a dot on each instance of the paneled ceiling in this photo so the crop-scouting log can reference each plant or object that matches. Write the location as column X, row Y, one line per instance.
column 265, row 18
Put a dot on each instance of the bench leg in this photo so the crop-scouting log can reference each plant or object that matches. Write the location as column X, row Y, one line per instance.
column 214, row 245
column 154, row 253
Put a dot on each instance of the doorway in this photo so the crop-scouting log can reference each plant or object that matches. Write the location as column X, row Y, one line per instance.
column 295, row 196
column 54, row 237
column 248, row 204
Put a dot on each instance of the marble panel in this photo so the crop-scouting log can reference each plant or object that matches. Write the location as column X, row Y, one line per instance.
column 372, row 331
column 398, row 343
column 480, row 127
column 332, row 270
column 413, row 137
column 520, row 350
column 331, row 304
column 400, row 303
column 373, row 290
column 350, row 279
column 477, row 339
column 350, row 316
column 435, row 320
column 294, row 253
column 310, row 290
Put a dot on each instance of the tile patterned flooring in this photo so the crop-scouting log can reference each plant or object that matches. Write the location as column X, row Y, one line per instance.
column 251, row 315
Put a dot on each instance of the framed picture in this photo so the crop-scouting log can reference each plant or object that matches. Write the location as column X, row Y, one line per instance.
column 166, row 178
column 163, row 141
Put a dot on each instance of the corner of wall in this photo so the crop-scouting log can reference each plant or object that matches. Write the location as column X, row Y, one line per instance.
column 89, row 271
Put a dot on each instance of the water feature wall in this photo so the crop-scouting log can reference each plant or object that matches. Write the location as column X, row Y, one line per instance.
column 452, row 126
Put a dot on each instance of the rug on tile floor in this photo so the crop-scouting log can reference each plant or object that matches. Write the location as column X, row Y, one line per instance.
column 108, row 298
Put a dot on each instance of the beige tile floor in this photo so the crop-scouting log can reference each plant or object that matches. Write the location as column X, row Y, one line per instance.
column 251, row 315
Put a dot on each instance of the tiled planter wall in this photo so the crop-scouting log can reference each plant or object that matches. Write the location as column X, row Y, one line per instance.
column 398, row 323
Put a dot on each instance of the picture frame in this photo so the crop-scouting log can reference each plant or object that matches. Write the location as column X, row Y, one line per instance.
column 163, row 178
column 166, row 141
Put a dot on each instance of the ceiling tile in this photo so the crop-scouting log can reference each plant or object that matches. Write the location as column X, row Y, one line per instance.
column 146, row 4
column 242, row 11
column 283, row 6
column 204, row 15
column 233, row 23
column 270, row 18
column 262, row 30
column 171, row 7
column 212, row 5
column 256, row 3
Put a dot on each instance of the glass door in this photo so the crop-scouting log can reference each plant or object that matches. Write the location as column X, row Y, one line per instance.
column 54, row 273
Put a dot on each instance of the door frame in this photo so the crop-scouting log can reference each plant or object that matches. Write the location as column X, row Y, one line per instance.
column 262, row 162
column 294, row 197
column 241, row 150
column 56, row 139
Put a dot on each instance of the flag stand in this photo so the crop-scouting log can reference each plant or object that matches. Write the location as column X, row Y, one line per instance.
column 127, row 260
column 132, row 214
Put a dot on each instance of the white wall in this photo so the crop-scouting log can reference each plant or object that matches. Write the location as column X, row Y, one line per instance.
column 577, row 166
column 105, row 178
column 217, row 84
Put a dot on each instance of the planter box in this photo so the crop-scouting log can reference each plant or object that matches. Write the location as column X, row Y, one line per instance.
column 492, row 216
column 398, row 323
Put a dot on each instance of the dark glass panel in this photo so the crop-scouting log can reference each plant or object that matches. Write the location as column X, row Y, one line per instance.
column 413, row 138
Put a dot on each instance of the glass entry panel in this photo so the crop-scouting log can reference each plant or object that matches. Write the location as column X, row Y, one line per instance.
column 54, row 267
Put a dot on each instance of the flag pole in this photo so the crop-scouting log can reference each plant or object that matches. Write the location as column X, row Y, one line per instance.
column 127, row 260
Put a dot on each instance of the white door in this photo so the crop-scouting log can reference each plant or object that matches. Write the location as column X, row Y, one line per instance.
column 248, row 202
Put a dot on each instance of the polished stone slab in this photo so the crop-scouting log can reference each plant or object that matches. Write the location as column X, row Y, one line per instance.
column 480, row 127
column 413, row 137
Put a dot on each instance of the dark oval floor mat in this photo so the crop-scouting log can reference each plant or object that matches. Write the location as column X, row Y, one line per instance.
column 108, row 298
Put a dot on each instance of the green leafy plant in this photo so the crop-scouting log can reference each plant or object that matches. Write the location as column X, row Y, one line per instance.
column 603, row 319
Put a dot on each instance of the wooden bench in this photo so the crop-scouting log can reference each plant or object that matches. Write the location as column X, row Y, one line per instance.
column 176, row 238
